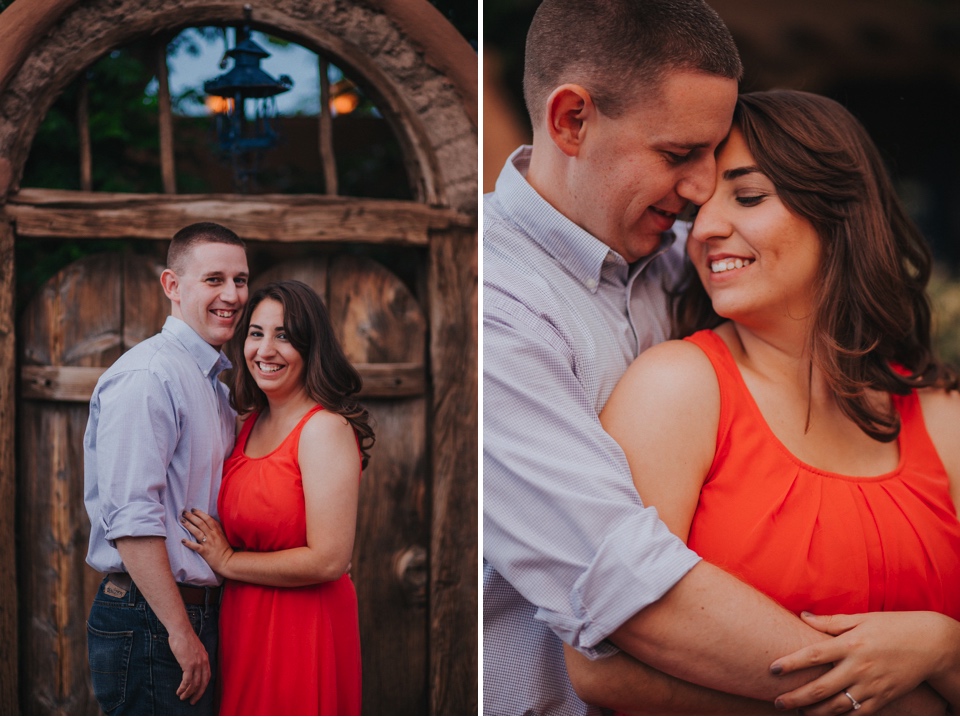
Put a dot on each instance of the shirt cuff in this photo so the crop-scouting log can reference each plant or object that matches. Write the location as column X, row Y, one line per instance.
column 135, row 520
column 636, row 565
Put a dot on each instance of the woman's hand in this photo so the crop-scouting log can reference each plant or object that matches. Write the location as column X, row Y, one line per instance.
column 211, row 543
column 877, row 658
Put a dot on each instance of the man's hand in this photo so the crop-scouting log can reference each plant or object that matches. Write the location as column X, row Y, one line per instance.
column 195, row 663
column 147, row 562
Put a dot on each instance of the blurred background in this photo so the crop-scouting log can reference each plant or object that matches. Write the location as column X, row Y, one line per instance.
column 894, row 63
column 107, row 120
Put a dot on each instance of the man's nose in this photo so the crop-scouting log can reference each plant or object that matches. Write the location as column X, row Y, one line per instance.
column 698, row 183
column 229, row 291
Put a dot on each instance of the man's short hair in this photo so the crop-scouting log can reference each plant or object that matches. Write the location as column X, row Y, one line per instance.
column 200, row 233
column 617, row 49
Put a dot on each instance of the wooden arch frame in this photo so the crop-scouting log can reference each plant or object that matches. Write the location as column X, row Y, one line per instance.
column 426, row 75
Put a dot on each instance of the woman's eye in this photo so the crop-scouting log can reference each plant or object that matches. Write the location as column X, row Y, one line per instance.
column 751, row 200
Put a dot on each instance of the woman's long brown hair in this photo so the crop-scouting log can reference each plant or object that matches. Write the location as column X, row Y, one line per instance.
column 871, row 327
column 329, row 377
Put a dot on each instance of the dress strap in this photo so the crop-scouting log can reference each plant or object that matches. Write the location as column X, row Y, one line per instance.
column 733, row 391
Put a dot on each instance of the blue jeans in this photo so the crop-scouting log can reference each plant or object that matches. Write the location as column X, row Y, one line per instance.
column 132, row 668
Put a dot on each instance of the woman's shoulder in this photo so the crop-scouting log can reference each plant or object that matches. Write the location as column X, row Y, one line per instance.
column 324, row 427
column 675, row 365
column 673, row 377
column 941, row 416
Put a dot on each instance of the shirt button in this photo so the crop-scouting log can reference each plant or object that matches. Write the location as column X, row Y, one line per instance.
column 591, row 284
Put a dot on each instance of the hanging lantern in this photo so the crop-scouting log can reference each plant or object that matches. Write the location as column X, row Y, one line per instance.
column 247, row 124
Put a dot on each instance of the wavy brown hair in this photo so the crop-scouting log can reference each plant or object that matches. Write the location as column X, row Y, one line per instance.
column 329, row 377
column 871, row 326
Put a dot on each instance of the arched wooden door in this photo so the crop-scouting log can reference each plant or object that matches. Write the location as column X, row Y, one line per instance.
column 98, row 307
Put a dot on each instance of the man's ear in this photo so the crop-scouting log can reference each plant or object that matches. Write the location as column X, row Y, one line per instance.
column 569, row 108
column 171, row 285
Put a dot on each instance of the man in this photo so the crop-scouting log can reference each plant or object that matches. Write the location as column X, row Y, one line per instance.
column 628, row 100
column 160, row 427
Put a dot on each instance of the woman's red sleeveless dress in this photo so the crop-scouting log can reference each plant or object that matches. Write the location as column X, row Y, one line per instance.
column 819, row 541
column 283, row 651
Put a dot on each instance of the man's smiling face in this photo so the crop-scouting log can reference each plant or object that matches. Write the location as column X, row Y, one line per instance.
column 212, row 290
column 639, row 170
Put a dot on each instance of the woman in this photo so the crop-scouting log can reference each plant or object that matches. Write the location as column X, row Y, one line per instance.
column 289, row 636
column 807, row 443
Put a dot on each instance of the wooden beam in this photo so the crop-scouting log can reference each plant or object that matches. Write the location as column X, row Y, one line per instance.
column 453, row 278
column 83, row 132
column 325, row 128
column 76, row 383
column 9, row 655
column 165, row 121
column 267, row 217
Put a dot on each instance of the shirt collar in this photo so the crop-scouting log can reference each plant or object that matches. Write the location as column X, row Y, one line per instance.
column 210, row 360
column 574, row 248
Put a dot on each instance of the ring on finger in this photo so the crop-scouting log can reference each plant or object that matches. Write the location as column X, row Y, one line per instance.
column 204, row 540
column 856, row 705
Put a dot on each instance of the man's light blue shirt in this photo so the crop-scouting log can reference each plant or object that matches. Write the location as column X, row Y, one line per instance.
column 569, row 552
column 160, row 427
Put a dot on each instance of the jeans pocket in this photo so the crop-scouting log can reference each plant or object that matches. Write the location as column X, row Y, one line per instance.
column 109, row 654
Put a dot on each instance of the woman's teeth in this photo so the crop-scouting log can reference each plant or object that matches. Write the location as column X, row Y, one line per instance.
column 728, row 265
column 269, row 367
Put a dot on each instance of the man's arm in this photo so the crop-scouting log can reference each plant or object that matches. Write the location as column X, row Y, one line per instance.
column 592, row 559
column 146, row 561
column 621, row 683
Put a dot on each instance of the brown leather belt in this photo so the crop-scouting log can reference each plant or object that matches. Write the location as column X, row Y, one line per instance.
column 191, row 595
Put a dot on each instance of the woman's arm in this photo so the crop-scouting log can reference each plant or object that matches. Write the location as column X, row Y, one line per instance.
column 330, row 466
column 894, row 651
column 664, row 413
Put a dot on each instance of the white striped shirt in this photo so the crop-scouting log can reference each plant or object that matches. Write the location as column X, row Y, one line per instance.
column 569, row 552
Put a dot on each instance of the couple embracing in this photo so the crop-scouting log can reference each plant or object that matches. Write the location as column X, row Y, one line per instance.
column 266, row 592
column 761, row 516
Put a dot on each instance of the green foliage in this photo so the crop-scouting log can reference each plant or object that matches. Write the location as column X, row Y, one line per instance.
column 122, row 124
column 945, row 298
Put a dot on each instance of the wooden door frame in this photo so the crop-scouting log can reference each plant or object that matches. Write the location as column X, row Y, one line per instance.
column 426, row 75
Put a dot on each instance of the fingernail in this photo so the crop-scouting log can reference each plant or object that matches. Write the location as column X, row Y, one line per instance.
column 807, row 613
column 776, row 669
column 778, row 703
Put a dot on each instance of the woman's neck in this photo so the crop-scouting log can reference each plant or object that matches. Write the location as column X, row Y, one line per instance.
column 286, row 406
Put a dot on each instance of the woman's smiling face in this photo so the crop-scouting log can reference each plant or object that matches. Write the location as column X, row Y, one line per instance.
column 274, row 363
column 757, row 259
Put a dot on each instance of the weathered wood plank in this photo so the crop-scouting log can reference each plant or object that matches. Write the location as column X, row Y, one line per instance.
column 377, row 319
column 453, row 271
column 9, row 662
column 59, row 383
column 269, row 217
column 75, row 321
column 76, row 383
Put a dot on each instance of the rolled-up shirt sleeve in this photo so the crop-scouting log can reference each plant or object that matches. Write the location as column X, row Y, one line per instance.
column 136, row 435
column 562, row 521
